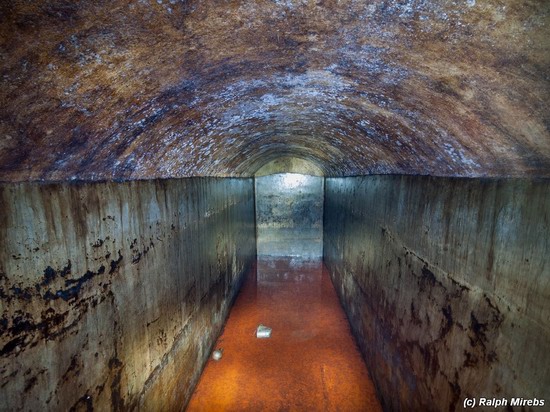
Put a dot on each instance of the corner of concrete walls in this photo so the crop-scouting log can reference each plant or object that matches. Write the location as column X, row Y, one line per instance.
column 446, row 284
column 112, row 294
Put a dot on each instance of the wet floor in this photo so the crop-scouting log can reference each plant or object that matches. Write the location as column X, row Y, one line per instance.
column 311, row 361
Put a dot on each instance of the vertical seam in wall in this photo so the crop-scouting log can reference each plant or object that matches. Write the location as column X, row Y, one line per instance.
column 323, row 220
column 255, row 216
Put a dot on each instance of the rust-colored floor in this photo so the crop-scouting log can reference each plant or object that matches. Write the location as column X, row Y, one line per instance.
column 310, row 363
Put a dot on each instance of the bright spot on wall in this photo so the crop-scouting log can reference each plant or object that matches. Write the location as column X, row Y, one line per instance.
column 292, row 180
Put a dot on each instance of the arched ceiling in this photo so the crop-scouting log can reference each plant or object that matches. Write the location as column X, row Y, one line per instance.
column 166, row 88
column 289, row 165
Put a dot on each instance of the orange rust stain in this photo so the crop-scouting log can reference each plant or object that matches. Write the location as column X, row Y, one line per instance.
column 311, row 361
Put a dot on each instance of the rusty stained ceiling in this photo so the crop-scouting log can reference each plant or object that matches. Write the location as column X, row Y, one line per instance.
column 166, row 88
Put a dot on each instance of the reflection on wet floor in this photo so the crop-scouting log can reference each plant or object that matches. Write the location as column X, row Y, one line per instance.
column 310, row 362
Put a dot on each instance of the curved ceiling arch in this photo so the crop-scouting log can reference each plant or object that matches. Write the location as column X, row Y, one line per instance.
column 287, row 164
column 141, row 90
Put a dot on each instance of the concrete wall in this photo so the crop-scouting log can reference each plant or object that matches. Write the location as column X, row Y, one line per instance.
column 112, row 293
column 289, row 215
column 446, row 283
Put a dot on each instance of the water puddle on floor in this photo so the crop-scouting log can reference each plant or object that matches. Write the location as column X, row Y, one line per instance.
column 310, row 362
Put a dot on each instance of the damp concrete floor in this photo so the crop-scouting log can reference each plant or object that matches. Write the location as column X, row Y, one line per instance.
column 310, row 362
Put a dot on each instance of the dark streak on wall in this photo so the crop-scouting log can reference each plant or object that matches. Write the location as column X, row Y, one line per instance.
column 446, row 284
column 113, row 293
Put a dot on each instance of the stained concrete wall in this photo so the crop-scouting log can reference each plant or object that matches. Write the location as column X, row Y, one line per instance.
column 112, row 293
column 446, row 283
column 289, row 215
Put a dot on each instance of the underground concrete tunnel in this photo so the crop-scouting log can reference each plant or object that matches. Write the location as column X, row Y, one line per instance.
column 310, row 361
column 135, row 138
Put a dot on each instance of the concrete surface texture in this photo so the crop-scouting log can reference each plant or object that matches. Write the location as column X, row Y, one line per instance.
column 289, row 215
column 446, row 283
column 145, row 89
column 310, row 363
column 112, row 294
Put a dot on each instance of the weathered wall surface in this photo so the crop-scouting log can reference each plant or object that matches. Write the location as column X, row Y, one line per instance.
column 446, row 283
column 289, row 215
column 112, row 293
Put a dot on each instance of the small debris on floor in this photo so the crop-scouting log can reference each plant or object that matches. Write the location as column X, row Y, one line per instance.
column 263, row 332
column 217, row 354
